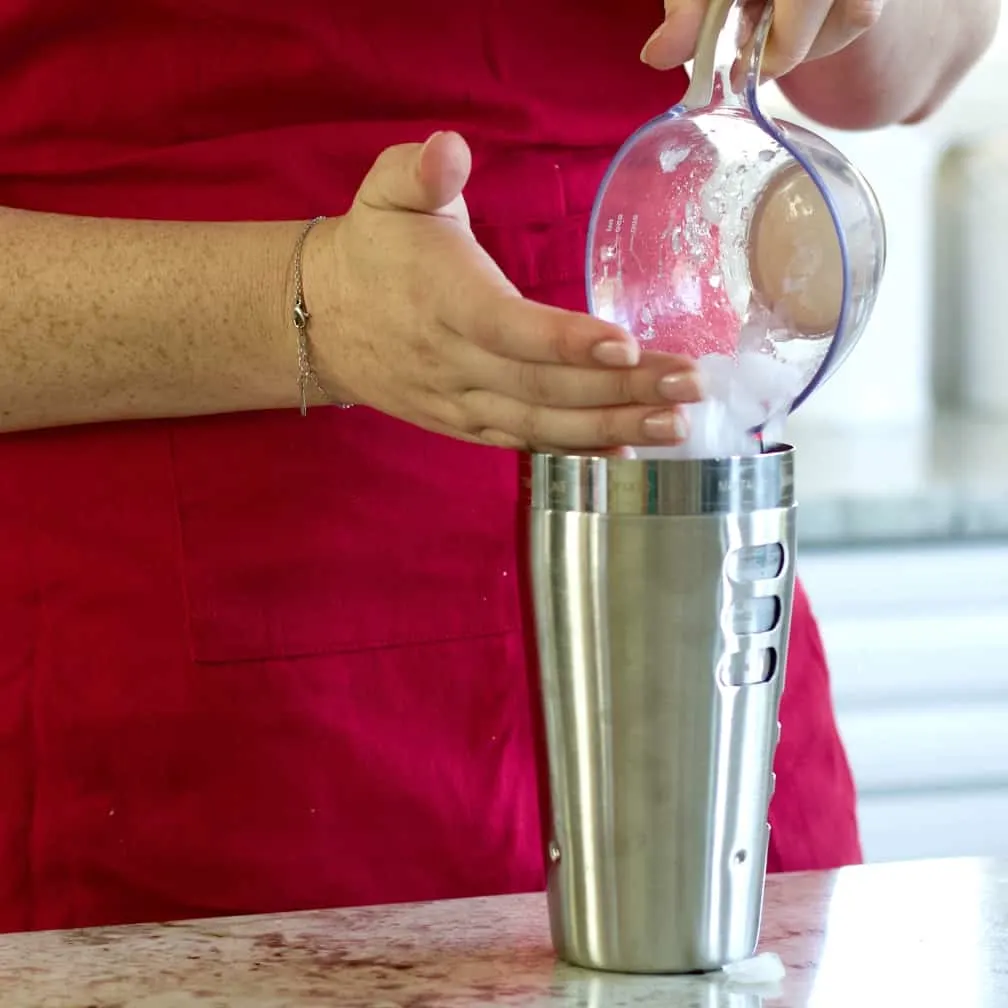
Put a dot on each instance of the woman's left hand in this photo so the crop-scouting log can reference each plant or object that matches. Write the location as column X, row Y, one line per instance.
column 802, row 30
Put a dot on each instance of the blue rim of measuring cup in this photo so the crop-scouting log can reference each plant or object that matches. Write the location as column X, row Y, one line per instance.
column 775, row 133
column 673, row 113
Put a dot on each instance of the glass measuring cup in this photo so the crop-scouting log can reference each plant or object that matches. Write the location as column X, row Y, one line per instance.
column 750, row 244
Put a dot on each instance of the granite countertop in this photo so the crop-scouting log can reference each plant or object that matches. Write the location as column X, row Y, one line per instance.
column 945, row 481
column 919, row 933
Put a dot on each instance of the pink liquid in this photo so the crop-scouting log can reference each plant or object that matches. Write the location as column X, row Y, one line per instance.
column 664, row 254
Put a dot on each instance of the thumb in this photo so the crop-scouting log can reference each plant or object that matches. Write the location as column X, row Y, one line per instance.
column 674, row 41
column 420, row 178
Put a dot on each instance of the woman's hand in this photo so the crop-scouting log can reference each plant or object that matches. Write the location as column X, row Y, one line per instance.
column 412, row 317
column 802, row 30
column 851, row 64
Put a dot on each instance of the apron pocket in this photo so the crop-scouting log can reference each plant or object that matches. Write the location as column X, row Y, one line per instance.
column 342, row 531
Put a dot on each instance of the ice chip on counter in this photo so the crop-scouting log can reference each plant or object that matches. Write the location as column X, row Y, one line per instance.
column 740, row 393
column 766, row 968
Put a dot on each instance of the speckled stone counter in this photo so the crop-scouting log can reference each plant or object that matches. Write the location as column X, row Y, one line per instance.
column 922, row 934
column 946, row 481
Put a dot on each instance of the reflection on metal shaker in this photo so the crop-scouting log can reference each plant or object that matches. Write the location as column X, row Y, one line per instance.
column 663, row 593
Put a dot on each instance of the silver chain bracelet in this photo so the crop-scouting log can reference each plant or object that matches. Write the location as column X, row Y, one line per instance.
column 300, row 316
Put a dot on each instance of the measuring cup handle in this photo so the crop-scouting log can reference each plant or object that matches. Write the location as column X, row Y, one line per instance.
column 700, row 93
column 701, row 89
column 759, row 40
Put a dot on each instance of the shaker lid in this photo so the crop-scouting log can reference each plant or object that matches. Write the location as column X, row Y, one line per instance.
column 590, row 484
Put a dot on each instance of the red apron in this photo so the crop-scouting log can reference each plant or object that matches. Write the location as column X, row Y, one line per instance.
column 258, row 662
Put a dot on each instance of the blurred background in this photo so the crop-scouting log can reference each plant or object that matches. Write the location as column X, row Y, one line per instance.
column 903, row 486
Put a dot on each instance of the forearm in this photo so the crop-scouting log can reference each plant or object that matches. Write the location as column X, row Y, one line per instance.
column 900, row 70
column 109, row 320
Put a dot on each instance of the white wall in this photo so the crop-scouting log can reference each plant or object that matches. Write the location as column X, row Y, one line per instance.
column 917, row 639
column 918, row 645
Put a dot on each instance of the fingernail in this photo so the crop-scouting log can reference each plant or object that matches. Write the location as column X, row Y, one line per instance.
column 668, row 426
column 429, row 141
column 617, row 353
column 679, row 388
column 655, row 35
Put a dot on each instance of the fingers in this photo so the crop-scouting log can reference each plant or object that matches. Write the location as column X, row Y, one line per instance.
column 848, row 20
column 809, row 29
column 796, row 25
column 674, row 40
column 659, row 379
column 422, row 178
column 512, row 327
column 509, row 423
column 554, row 407
column 802, row 30
column 559, row 407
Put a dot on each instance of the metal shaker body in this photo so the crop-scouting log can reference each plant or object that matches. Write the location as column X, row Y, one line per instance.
column 662, row 592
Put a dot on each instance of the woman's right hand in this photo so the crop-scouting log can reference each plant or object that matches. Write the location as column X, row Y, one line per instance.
column 411, row 317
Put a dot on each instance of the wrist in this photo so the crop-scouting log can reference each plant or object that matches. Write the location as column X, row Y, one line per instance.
column 314, row 256
column 273, row 291
column 255, row 343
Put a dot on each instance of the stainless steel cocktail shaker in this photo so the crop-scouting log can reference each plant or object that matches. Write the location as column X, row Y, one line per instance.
column 662, row 593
